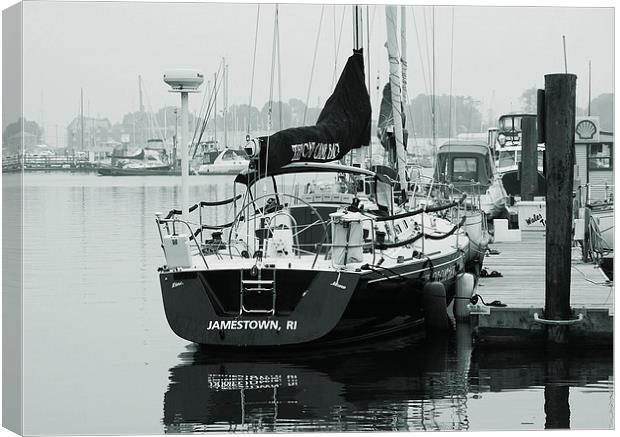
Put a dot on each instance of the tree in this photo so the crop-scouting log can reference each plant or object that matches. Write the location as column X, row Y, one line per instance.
column 452, row 116
column 14, row 129
column 278, row 121
column 529, row 100
column 603, row 106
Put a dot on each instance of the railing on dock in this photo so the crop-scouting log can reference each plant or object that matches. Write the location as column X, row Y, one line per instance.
column 47, row 163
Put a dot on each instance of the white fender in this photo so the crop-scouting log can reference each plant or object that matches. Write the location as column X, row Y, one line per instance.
column 464, row 291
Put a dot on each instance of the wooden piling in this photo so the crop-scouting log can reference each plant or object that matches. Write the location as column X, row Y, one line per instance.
column 529, row 158
column 560, row 149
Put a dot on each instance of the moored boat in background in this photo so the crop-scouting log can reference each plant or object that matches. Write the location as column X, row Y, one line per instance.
column 227, row 161
column 469, row 167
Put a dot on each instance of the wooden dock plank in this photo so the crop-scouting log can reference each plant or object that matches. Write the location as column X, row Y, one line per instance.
column 522, row 265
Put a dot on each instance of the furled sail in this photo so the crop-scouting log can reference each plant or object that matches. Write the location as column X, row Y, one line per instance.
column 385, row 125
column 343, row 125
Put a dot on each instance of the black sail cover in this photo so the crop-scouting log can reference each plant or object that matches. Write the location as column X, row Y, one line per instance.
column 343, row 125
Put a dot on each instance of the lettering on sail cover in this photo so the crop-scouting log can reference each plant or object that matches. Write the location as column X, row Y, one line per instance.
column 266, row 325
column 318, row 151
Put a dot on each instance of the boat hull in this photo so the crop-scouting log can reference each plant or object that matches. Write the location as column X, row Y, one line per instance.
column 512, row 183
column 160, row 171
column 321, row 307
column 221, row 169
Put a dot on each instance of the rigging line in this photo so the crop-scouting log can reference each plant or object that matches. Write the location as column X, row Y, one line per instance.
column 205, row 120
column 369, row 150
column 316, row 49
column 273, row 67
column 151, row 115
column 208, row 110
column 427, row 46
column 201, row 114
column 334, row 35
column 253, row 68
column 427, row 72
column 368, row 46
column 433, row 85
column 279, row 72
column 210, row 107
column 344, row 8
column 417, row 36
column 451, row 65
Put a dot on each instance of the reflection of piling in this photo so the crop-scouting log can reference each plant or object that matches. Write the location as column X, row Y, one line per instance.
column 529, row 158
column 557, row 408
column 559, row 136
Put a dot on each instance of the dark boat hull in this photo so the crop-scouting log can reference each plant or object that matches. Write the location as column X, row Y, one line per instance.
column 311, row 306
column 512, row 183
column 160, row 171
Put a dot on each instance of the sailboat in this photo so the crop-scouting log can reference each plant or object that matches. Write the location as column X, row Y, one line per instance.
column 318, row 252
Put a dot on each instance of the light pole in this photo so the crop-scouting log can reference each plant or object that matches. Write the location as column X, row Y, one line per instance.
column 184, row 81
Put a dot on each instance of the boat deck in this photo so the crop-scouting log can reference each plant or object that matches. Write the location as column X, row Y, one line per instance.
column 522, row 265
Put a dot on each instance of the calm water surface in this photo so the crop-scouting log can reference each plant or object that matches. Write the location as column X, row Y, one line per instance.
column 100, row 357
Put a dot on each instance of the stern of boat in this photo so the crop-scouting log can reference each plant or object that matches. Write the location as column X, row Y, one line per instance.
column 255, row 307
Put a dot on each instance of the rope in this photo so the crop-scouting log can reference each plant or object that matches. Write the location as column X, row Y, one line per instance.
column 412, row 240
column 344, row 8
column 210, row 107
column 316, row 49
column 451, row 77
column 420, row 210
column 447, row 234
column 279, row 70
column 273, row 67
column 253, row 67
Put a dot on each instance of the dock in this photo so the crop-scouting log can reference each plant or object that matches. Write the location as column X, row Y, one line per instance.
column 522, row 289
column 69, row 163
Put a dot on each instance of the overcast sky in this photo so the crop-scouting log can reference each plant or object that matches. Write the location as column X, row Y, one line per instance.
column 103, row 47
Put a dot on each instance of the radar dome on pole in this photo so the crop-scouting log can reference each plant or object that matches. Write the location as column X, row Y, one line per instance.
column 184, row 79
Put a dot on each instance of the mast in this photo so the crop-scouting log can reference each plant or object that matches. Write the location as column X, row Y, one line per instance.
column 392, row 45
column 140, row 93
column 357, row 45
column 82, row 119
column 225, row 78
column 368, row 72
column 215, row 110
column 141, row 110
column 434, row 121
column 589, row 86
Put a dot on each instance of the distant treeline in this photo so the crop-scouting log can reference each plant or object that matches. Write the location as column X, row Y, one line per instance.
column 140, row 126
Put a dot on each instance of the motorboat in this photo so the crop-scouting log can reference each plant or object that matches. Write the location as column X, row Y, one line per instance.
column 469, row 168
column 507, row 147
column 227, row 161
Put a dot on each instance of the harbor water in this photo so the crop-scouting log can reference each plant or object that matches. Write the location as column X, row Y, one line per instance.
column 99, row 356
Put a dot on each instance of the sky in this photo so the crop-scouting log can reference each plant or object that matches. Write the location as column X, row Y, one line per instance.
column 492, row 53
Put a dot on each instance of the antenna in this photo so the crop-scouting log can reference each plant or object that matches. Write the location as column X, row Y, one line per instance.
column 140, row 93
column 565, row 64
column 81, row 118
column 589, row 86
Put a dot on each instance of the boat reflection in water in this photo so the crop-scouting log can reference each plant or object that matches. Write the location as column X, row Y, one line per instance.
column 405, row 384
